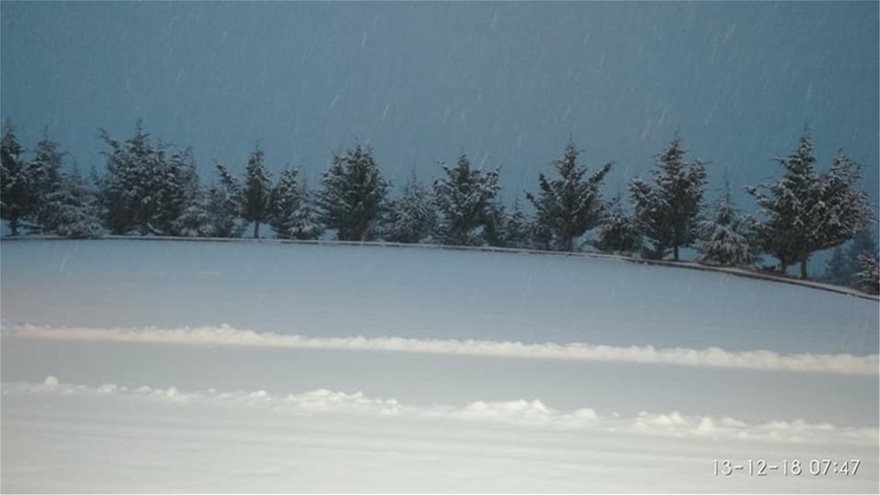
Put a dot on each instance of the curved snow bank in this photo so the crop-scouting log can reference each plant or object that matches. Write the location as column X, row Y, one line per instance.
column 522, row 413
column 711, row 357
column 689, row 265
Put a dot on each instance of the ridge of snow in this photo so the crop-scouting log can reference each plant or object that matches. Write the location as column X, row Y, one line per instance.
column 521, row 413
column 226, row 335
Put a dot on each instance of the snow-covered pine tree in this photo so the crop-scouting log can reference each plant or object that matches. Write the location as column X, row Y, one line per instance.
column 47, row 160
column 411, row 217
column 805, row 211
column 353, row 195
column 194, row 220
column 463, row 197
column 73, row 208
column 869, row 276
column 843, row 266
column 618, row 232
column 178, row 192
column 113, row 197
column 19, row 181
column 132, row 185
column 864, row 242
column 495, row 227
column 571, row 205
column 284, row 202
column 147, row 186
column 224, row 205
column 540, row 236
column 306, row 223
column 843, row 211
column 725, row 239
column 787, row 205
column 95, row 186
column 256, row 192
column 516, row 227
column 506, row 228
column 667, row 211
column 147, row 166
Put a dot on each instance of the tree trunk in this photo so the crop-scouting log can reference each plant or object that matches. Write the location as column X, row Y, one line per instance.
column 803, row 269
column 675, row 253
column 13, row 224
column 256, row 230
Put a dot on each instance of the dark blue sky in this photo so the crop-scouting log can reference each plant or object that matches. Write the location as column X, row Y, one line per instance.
column 504, row 82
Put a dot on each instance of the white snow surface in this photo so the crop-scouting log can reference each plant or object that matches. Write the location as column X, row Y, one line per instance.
column 62, row 437
column 370, row 291
column 134, row 366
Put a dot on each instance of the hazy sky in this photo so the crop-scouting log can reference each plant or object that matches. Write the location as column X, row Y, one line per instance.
column 504, row 82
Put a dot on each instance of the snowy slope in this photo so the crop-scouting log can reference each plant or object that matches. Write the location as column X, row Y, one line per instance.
column 373, row 291
column 193, row 366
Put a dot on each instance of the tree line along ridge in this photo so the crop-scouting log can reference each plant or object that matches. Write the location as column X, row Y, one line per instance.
column 148, row 187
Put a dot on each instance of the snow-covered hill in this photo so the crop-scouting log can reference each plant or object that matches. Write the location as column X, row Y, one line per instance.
column 189, row 366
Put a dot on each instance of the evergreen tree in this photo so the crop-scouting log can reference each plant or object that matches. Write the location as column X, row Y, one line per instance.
column 838, row 269
column 495, row 228
column 516, row 228
column 353, row 196
column 618, row 231
column 725, row 239
column 194, row 220
column 506, row 228
column 147, row 186
column 224, row 205
column 19, row 181
column 257, row 191
column 133, row 184
column 805, row 211
column 47, row 161
column 284, row 202
column 843, row 211
column 864, row 242
column 411, row 218
column 540, row 235
column 869, row 276
column 73, row 209
column 787, row 205
column 571, row 205
column 306, row 223
column 178, row 192
column 667, row 210
column 843, row 266
column 463, row 197
column 95, row 186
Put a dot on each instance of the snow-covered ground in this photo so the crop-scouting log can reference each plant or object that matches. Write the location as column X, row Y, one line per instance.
column 201, row 366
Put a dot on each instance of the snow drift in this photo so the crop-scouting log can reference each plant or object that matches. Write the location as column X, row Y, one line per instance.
column 712, row 357
column 525, row 413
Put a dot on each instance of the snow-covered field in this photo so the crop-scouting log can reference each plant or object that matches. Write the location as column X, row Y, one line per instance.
column 200, row 366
